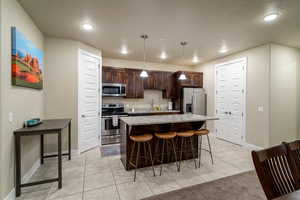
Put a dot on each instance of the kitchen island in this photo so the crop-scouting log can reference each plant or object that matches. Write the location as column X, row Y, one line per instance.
column 157, row 124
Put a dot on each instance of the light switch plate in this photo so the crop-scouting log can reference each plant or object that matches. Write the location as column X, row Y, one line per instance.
column 10, row 117
column 260, row 109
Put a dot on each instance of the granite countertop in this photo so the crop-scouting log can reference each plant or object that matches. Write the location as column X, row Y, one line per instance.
column 165, row 119
column 152, row 111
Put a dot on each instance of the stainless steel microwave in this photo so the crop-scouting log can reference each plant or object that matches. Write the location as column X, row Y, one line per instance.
column 113, row 90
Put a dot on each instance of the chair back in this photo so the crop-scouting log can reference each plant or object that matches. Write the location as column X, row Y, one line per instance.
column 294, row 152
column 275, row 171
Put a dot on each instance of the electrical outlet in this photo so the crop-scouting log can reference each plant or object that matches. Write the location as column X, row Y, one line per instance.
column 10, row 117
column 260, row 109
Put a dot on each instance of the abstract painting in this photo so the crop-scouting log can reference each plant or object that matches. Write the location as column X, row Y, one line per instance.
column 27, row 62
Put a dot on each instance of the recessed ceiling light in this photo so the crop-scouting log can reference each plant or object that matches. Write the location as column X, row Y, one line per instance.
column 223, row 50
column 124, row 51
column 87, row 27
column 163, row 55
column 270, row 17
column 195, row 59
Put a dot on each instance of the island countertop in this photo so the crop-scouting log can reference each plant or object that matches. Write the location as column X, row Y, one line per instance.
column 165, row 119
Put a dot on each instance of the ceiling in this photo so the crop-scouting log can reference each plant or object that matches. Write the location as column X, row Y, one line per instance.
column 207, row 25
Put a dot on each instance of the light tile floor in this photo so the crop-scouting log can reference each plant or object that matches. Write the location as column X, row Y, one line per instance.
column 92, row 177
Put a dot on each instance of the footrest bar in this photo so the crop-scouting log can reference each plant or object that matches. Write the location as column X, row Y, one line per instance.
column 39, row 182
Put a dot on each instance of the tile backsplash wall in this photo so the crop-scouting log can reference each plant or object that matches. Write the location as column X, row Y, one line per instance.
column 150, row 97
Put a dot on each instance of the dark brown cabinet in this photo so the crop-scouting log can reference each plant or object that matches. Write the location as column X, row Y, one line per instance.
column 134, row 84
column 194, row 79
column 158, row 80
column 169, row 81
column 113, row 75
column 155, row 80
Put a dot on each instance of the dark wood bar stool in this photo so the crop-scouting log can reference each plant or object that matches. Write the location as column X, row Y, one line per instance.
column 200, row 133
column 185, row 136
column 168, row 139
column 140, row 139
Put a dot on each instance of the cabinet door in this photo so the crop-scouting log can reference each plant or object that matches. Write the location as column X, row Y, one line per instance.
column 198, row 80
column 134, row 84
column 107, row 75
column 149, row 81
column 139, row 85
column 159, row 83
column 170, row 88
column 113, row 75
column 118, row 76
column 130, row 84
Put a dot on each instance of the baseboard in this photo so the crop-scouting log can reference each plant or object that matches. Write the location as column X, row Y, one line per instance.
column 252, row 146
column 27, row 176
column 74, row 152
column 11, row 195
column 25, row 179
column 31, row 171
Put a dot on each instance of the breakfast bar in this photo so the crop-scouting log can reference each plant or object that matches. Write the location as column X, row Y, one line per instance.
column 157, row 124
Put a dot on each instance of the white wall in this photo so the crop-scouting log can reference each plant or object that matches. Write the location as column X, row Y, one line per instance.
column 1, row 72
column 25, row 103
column 272, row 82
column 61, row 85
column 140, row 65
column 284, row 92
column 258, row 78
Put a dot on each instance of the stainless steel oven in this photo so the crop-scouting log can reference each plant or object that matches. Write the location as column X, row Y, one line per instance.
column 113, row 90
column 110, row 123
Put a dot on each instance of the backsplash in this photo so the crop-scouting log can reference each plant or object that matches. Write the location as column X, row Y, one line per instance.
column 150, row 96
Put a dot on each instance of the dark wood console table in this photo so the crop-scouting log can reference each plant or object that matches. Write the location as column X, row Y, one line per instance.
column 53, row 126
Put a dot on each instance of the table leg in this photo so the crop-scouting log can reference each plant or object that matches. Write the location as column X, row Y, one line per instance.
column 59, row 161
column 69, row 134
column 42, row 149
column 18, row 164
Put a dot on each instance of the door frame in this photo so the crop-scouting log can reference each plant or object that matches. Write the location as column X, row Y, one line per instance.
column 80, row 52
column 245, row 61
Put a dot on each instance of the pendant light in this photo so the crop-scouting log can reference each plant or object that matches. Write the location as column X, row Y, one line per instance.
column 144, row 73
column 182, row 76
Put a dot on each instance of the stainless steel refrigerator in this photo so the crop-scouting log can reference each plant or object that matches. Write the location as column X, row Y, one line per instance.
column 194, row 101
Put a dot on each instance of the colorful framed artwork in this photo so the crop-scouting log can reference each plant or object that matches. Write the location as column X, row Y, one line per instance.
column 27, row 62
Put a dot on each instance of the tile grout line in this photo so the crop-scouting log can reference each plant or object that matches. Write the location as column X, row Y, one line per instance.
column 115, row 182
column 84, row 175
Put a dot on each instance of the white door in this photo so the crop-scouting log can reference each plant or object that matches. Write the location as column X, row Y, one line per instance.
column 88, row 101
column 230, row 100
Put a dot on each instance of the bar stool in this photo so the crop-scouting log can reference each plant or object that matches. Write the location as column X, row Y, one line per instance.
column 140, row 139
column 185, row 136
column 200, row 133
column 169, row 139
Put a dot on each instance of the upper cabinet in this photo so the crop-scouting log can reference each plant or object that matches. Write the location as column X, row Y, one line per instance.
column 113, row 75
column 155, row 80
column 158, row 80
column 170, row 90
column 134, row 84
column 193, row 79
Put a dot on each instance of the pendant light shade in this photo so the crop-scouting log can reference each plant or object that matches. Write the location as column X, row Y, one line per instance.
column 144, row 73
column 182, row 76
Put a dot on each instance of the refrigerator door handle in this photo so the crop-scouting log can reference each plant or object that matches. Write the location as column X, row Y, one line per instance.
column 192, row 107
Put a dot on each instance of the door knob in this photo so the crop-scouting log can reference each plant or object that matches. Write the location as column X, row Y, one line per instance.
column 83, row 116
